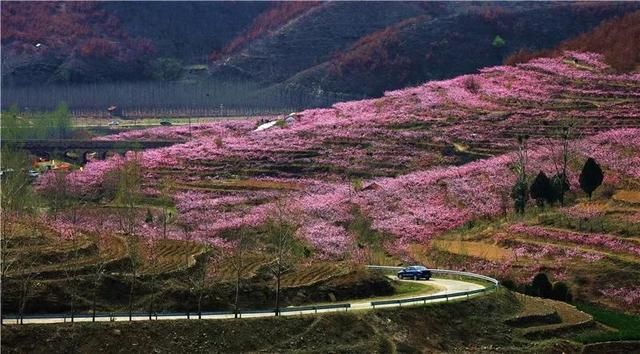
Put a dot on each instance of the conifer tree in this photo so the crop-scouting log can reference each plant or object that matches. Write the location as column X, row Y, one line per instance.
column 541, row 189
column 591, row 176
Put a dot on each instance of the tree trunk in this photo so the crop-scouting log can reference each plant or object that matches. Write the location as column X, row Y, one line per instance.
column 235, row 302
column 278, row 294
column 133, row 281
column 153, row 296
column 164, row 223
column 93, row 304
column 72, row 309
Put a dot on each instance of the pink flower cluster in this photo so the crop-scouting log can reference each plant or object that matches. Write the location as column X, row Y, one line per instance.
column 330, row 240
column 604, row 241
column 629, row 296
column 558, row 254
column 584, row 211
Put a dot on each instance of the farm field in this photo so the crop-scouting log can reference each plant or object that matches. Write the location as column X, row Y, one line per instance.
column 593, row 245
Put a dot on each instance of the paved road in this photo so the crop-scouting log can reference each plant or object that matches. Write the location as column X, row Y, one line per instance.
column 445, row 286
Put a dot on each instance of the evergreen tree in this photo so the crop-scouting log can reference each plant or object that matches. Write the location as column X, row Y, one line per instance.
column 541, row 189
column 591, row 176
column 560, row 185
column 520, row 195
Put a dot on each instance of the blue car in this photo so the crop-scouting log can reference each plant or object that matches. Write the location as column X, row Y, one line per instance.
column 415, row 273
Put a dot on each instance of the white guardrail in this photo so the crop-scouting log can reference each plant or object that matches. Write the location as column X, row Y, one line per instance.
column 285, row 311
column 495, row 284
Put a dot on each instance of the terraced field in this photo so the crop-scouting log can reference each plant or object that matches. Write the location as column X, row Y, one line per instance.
column 173, row 256
column 312, row 273
column 250, row 267
column 543, row 318
column 595, row 245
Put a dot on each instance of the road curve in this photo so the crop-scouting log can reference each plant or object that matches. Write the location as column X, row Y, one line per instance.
column 445, row 286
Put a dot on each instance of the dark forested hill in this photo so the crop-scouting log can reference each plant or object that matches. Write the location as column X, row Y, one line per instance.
column 59, row 42
column 618, row 39
column 340, row 50
column 366, row 56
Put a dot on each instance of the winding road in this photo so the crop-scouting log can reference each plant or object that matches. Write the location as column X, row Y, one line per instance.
column 445, row 286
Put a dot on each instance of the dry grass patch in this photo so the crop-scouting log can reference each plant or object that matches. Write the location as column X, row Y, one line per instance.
column 474, row 249
column 313, row 273
column 241, row 184
column 626, row 196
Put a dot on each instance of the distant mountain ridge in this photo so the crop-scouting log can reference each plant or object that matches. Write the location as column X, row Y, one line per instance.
column 405, row 43
column 347, row 50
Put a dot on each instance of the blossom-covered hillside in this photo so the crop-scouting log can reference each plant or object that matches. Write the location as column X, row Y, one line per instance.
column 386, row 179
column 410, row 138
column 439, row 123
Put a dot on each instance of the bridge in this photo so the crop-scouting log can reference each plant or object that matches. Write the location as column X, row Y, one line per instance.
column 78, row 150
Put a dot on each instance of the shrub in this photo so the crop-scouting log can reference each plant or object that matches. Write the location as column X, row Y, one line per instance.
column 148, row 217
column 541, row 189
column 509, row 284
column 561, row 292
column 498, row 42
column 541, row 286
column 471, row 84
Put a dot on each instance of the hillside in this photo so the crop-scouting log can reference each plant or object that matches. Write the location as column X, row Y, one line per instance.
column 49, row 42
column 341, row 50
column 310, row 38
column 410, row 44
column 476, row 326
column 429, row 159
column 618, row 39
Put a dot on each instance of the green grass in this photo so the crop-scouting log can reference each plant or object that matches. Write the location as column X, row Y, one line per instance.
column 406, row 288
column 402, row 289
column 627, row 325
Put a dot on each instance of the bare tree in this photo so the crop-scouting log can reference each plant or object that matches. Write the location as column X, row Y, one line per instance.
column 98, row 273
column 17, row 202
column 128, row 194
column 25, row 274
column 236, row 257
column 64, row 205
column 151, row 254
column 565, row 134
column 204, row 274
column 520, row 191
column 166, row 217
column 282, row 247
column 135, row 261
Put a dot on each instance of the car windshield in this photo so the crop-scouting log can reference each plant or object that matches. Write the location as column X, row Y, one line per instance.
column 416, row 268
